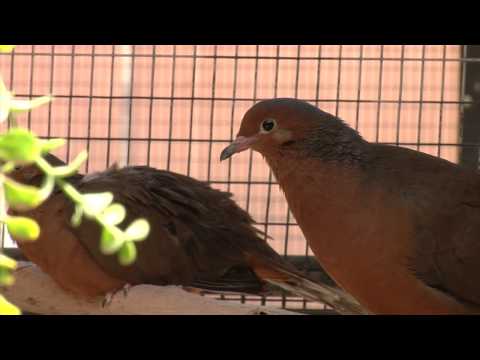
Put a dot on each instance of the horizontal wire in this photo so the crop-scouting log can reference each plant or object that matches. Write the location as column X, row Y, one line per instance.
column 189, row 98
column 226, row 141
column 247, row 57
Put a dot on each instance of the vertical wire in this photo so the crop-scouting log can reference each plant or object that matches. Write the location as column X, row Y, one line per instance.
column 130, row 104
column 250, row 160
column 319, row 66
column 172, row 101
column 442, row 96
column 360, row 63
column 287, row 228
column 190, row 132
column 462, row 91
column 339, row 79
column 232, row 114
column 32, row 67
column 70, row 101
column 12, row 74
column 270, row 173
column 232, row 117
column 379, row 99
column 90, row 104
column 110, row 104
column 400, row 95
column 420, row 98
column 150, row 110
column 52, row 69
column 212, row 112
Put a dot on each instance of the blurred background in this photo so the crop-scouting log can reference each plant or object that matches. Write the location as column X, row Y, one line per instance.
column 176, row 106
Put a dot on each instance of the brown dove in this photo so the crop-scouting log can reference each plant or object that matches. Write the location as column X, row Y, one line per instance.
column 199, row 239
column 397, row 229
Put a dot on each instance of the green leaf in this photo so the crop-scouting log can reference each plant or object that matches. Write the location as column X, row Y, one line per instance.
column 27, row 105
column 22, row 228
column 111, row 240
column 5, row 99
column 66, row 170
column 10, row 105
column 8, row 309
column 51, row 144
column 6, row 278
column 7, row 262
column 94, row 204
column 6, row 265
column 7, row 167
column 127, row 254
column 77, row 216
column 21, row 197
column 25, row 197
column 138, row 230
column 6, row 48
column 114, row 214
column 19, row 145
column 68, row 190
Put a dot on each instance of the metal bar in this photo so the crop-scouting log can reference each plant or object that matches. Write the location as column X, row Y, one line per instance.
column 102, row 138
column 130, row 102
column 138, row 97
column 400, row 96
column 110, row 105
column 190, row 130
column 90, row 104
column 339, row 78
column 420, row 96
column 379, row 99
column 359, row 89
column 232, row 113
column 172, row 103
column 270, row 173
column 52, row 70
column 212, row 113
column 462, row 59
column 250, row 159
column 32, row 67
column 470, row 124
column 442, row 95
column 150, row 109
column 70, row 101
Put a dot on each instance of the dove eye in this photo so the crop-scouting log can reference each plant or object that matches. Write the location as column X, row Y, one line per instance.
column 268, row 125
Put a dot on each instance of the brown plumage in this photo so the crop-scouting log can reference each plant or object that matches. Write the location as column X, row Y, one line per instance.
column 396, row 228
column 199, row 238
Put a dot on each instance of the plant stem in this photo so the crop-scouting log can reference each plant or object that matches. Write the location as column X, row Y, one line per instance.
column 69, row 190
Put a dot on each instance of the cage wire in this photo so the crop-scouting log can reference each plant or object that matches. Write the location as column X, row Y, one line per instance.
column 176, row 106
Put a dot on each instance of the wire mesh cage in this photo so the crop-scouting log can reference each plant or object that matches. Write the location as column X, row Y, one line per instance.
column 176, row 107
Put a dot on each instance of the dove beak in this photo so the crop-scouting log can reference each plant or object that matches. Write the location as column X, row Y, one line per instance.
column 240, row 144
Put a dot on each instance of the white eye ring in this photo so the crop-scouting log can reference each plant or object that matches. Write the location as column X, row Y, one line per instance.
column 268, row 125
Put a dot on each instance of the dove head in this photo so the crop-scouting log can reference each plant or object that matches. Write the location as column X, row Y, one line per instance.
column 291, row 127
